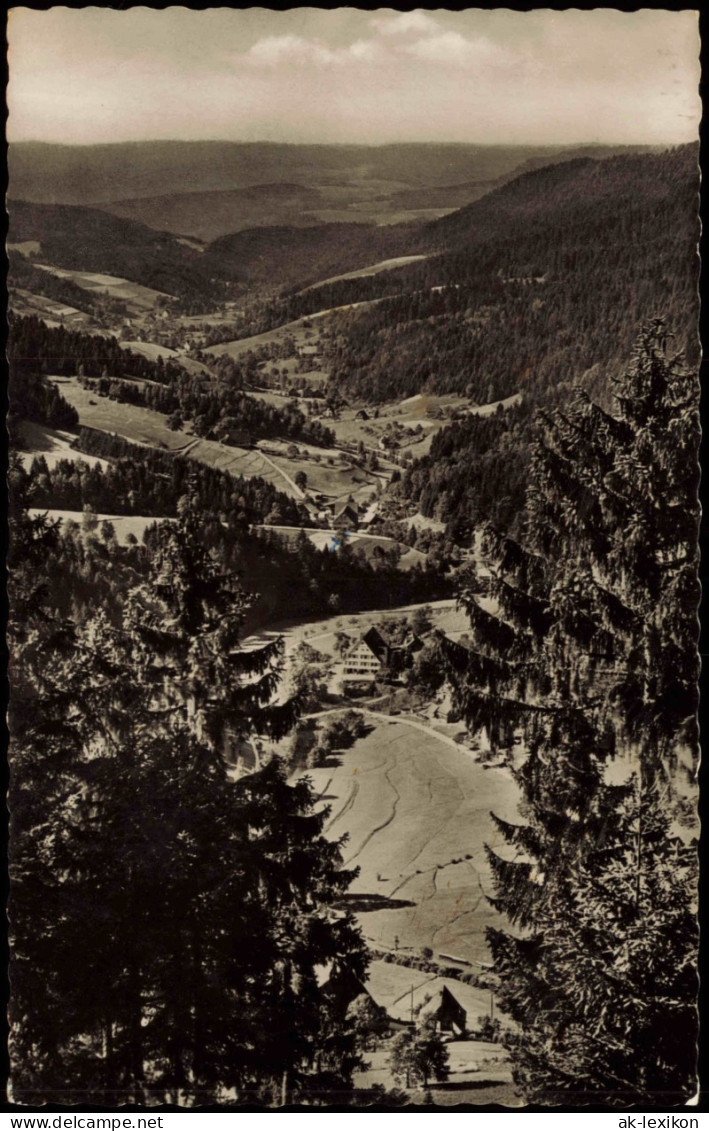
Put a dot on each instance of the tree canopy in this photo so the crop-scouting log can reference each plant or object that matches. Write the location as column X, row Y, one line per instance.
column 141, row 872
column 585, row 651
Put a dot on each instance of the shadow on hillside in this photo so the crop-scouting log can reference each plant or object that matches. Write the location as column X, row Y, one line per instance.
column 467, row 1085
column 365, row 901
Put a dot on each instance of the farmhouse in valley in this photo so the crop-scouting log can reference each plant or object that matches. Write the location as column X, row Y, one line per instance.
column 367, row 659
column 312, row 350
column 430, row 1001
column 373, row 656
column 446, row 1012
column 340, row 985
column 346, row 517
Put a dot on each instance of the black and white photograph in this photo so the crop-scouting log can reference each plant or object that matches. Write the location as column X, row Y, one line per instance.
column 353, row 569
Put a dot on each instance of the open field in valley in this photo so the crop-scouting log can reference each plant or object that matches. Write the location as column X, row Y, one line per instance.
column 479, row 1074
column 320, row 631
column 415, row 806
column 135, row 296
column 336, row 481
column 373, row 269
column 431, row 411
column 480, row 1071
column 51, row 312
column 144, row 426
column 135, row 423
column 123, row 525
column 366, row 542
column 53, row 445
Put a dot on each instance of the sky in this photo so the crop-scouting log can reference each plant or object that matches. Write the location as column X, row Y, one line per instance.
column 80, row 76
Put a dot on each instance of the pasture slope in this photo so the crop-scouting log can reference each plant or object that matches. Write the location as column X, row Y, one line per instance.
column 300, row 330
column 137, row 297
column 363, row 272
column 52, row 445
column 331, row 539
column 415, row 807
column 123, row 525
column 145, row 426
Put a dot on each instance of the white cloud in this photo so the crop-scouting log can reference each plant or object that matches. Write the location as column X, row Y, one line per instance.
column 273, row 50
column 368, row 51
column 452, row 47
column 416, row 21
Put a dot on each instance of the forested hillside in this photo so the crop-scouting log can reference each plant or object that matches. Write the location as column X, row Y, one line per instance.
column 85, row 239
column 302, row 256
column 551, row 275
column 556, row 301
column 354, row 575
column 486, row 453
column 105, row 847
column 524, row 289
column 24, row 274
column 287, row 578
column 143, row 481
column 35, row 350
column 56, row 350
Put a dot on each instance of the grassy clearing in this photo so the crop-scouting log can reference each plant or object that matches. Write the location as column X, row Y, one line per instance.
column 432, row 412
column 25, row 247
column 391, row 987
column 49, row 310
column 153, row 351
column 373, row 269
column 488, row 409
column 316, row 377
column 417, row 410
column 322, row 539
column 336, row 481
column 480, row 1074
column 421, row 522
column 303, row 334
column 123, row 525
column 141, row 425
column 39, row 440
column 144, row 426
column 242, row 346
column 414, row 806
column 137, row 297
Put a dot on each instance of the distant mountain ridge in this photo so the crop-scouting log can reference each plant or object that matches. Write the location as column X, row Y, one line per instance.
column 60, row 174
column 185, row 187
column 569, row 185
column 208, row 215
column 294, row 254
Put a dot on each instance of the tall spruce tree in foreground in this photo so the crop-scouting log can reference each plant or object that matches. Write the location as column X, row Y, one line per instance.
column 585, row 650
column 166, row 922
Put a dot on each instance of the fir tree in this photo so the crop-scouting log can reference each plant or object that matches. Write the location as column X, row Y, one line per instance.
column 585, row 649
column 419, row 1055
column 166, row 921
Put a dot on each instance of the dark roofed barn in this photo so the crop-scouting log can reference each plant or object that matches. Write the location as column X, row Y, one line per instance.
column 446, row 1011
